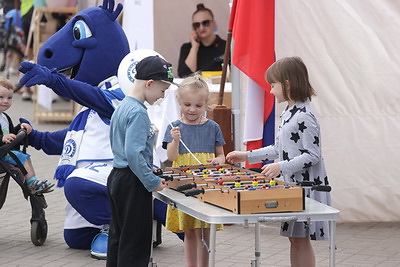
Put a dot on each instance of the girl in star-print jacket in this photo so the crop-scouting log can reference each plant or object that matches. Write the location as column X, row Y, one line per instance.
column 298, row 150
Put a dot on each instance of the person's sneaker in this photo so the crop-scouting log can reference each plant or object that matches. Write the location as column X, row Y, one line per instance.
column 13, row 71
column 38, row 187
column 98, row 248
column 47, row 187
column 26, row 96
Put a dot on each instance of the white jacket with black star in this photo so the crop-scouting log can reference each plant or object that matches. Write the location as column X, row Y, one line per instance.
column 298, row 150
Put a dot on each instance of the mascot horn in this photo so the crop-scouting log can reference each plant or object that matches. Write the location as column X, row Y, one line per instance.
column 89, row 48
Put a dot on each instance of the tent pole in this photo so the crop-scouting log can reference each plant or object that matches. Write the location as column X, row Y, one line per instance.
column 237, row 120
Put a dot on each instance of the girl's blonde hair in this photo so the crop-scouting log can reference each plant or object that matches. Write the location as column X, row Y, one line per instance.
column 291, row 72
column 6, row 83
column 194, row 83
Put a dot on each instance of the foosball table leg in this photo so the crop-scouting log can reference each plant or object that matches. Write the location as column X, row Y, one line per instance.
column 257, row 251
column 213, row 237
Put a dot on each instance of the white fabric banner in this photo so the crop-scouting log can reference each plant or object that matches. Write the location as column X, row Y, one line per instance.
column 45, row 96
column 254, row 116
column 138, row 24
column 352, row 51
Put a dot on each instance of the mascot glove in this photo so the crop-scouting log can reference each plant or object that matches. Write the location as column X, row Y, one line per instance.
column 23, row 120
column 37, row 74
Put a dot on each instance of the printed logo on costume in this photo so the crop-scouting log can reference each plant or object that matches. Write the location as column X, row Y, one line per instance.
column 68, row 151
column 91, row 113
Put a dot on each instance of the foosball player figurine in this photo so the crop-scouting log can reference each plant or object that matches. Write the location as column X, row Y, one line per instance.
column 237, row 183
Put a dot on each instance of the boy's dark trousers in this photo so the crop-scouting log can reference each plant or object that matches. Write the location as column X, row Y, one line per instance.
column 130, row 233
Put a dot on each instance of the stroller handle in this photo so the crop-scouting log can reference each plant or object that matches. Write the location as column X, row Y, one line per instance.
column 8, row 146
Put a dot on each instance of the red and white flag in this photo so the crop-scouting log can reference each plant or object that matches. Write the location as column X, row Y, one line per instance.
column 253, row 31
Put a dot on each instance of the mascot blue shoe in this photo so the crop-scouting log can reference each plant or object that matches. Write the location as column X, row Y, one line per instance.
column 98, row 248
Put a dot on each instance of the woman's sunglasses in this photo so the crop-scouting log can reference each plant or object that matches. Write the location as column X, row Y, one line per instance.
column 205, row 23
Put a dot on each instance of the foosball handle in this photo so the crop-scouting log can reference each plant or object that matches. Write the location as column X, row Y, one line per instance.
column 194, row 192
column 306, row 183
column 186, row 187
column 158, row 172
column 322, row 188
column 167, row 177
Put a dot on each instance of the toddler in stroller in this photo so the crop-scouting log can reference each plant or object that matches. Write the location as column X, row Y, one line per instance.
column 34, row 188
column 8, row 134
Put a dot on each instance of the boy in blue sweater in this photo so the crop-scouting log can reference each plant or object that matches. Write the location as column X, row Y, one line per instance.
column 132, row 181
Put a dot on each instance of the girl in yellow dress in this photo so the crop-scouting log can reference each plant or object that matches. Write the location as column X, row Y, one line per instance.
column 203, row 137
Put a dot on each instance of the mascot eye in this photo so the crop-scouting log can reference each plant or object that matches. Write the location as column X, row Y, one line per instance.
column 81, row 30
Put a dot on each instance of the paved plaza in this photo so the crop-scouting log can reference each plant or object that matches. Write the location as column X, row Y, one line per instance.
column 358, row 244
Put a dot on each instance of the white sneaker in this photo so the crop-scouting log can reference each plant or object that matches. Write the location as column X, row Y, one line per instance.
column 26, row 96
column 12, row 71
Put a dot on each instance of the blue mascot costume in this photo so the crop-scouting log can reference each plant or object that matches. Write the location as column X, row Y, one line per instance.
column 90, row 48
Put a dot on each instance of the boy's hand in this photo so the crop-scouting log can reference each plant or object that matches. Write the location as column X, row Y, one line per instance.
column 236, row 157
column 272, row 170
column 161, row 186
column 27, row 127
column 176, row 134
column 8, row 138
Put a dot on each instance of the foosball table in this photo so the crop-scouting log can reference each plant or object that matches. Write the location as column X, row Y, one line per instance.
column 236, row 189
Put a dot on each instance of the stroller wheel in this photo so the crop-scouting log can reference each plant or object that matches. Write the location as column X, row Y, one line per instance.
column 38, row 232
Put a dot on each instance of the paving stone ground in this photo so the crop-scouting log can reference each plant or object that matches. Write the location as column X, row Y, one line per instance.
column 358, row 244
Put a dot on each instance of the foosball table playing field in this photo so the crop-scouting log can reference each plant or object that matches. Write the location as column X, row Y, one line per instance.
column 236, row 189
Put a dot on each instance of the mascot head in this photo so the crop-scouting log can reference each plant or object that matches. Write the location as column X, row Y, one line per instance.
column 89, row 47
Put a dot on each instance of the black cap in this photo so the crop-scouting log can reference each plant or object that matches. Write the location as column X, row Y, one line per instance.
column 155, row 68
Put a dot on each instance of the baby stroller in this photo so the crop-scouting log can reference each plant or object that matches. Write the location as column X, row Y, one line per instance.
column 12, row 40
column 38, row 202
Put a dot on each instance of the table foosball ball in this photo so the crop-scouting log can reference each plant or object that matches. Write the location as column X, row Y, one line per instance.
column 236, row 189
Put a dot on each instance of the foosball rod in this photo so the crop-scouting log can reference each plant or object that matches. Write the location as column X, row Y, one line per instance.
column 313, row 186
column 201, row 190
column 236, row 187
column 178, row 176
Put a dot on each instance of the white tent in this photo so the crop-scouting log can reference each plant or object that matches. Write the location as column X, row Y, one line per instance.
column 352, row 51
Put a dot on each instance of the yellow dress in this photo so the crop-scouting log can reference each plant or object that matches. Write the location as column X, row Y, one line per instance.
column 178, row 221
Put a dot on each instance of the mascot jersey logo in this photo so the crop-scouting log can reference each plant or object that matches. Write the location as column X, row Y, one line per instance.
column 69, row 151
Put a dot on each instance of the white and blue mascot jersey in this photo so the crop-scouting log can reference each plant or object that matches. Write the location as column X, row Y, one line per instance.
column 90, row 46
